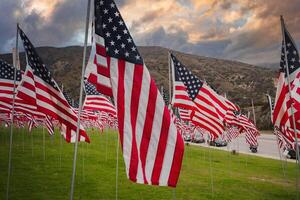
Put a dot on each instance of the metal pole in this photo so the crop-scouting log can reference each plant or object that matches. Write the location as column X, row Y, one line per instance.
column 117, row 166
column 253, row 111
column 12, row 120
column 292, row 105
column 170, row 77
column 80, row 100
column 106, row 141
column 44, row 146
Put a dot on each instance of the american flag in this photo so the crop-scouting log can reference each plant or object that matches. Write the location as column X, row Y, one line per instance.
column 96, row 102
column 152, row 147
column 193, row 94
column 282, row 115
column 184, row 114
column 7, row 90
column 7, row 81
column 232, row 132
column 251, row 137
column 49, row 125
column 39, row 89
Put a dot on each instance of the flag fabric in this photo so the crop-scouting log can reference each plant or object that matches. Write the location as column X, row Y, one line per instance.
column 251, row 137
column 39, row 89
column 232, row 132
column 191, row 93
column 97, row 102
column 184, row 114
column 282, row 115
column 49, row 125
column 7, row 81
column 152, row 147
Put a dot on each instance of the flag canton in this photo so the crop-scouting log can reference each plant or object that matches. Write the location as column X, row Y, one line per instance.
column 110, row 25
column 7, row 71
column 68, row 98
column 90, row 89
column 291, row 54
column 35, row 62
column 191, row 82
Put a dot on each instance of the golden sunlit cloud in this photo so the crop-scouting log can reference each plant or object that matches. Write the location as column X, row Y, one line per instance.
column 44, row 8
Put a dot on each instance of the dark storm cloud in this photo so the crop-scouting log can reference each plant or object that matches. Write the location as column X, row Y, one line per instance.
column 63, row 27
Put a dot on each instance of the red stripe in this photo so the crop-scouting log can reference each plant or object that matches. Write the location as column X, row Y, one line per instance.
column 177, row 161
column 121, row 99
column 100, row 87
column 148, row 127
column 134, row 109
column 160, row 154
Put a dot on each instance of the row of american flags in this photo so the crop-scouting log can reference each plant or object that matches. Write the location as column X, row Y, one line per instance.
column 121, row 94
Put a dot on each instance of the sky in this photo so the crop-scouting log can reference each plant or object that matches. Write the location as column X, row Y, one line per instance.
column 242, row 30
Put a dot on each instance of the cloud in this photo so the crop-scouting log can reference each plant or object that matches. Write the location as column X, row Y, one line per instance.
column 245, row 30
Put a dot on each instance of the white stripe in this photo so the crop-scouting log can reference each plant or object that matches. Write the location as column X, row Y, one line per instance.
column 101, row 60
column 127, row 139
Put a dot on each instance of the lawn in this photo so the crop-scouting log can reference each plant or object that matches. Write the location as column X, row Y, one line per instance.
column 39, row 173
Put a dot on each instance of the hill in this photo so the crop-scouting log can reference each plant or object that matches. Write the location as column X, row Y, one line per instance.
column 239, row 81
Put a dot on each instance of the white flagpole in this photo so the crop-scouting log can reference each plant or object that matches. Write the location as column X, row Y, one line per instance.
column 44, row 145
column 80, row 99
column 289, row 86
column 12, row 120
column 117, row 166
column 253, row 111
column 170, row 77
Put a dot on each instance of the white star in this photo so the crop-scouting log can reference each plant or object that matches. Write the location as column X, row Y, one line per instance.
column 293, row 59
column 101, row 3
column 133, row 49
column 114, row 28
column 294, row 52
column 108, row 34
column 292, row 66
column 125, row 31
column 116, row 51
column 112, row 43
column 129, row 40
column 118, row 37
column 112, row 5
column 117, row 14
column 104, row 25
column 123, row 45
column 137, row 57
column 105, row 11
column 288, row 44
column 110, row 20
column 121, row 22
column 127, row 54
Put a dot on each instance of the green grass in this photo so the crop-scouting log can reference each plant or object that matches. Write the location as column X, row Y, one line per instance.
column 233, row 176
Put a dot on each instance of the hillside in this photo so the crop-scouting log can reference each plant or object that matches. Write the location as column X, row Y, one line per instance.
column 239, row 81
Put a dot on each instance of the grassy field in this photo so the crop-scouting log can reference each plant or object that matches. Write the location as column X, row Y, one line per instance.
column 206, row 173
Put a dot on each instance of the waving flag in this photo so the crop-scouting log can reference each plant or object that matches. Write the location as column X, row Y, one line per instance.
column 152, row 147
column 7, row 81
column 95, row 101
column 39, row 89
column 193, row 94
column 282, row 115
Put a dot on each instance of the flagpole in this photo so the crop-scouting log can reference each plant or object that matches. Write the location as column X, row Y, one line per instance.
column 170, row 77
column 253, row 111
column 292, row 105
column 80, row 99
column 289, row 86
column 117, row 166
column 12, row 119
